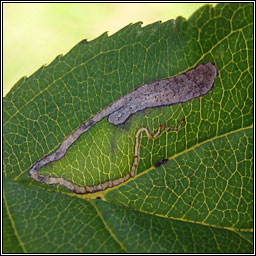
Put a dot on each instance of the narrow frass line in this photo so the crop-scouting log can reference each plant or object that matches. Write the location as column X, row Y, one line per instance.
column 165, row 160
column 178, row 89
column 111, row 183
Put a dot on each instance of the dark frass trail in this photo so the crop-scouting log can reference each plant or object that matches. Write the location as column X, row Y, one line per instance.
column 181, row 88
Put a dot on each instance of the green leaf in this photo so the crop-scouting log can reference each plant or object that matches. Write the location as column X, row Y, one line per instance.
column 199, row 201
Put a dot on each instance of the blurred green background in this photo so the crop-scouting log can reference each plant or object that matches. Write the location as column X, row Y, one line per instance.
column 35, row 33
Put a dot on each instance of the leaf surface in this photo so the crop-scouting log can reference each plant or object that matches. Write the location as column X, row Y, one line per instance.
column 200, row 200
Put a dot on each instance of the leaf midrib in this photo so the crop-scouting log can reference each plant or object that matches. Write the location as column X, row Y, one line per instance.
column 177, row 155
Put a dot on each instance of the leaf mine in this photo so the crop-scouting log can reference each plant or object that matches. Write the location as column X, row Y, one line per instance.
column 191, row 84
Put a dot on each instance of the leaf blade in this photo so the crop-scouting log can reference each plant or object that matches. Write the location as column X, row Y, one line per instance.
column 40, row 111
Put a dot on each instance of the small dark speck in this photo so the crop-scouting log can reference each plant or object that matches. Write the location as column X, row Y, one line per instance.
column 161, row 163
column 41, row 178
column 88, row 124
column 99, row 198
column 84, row 41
